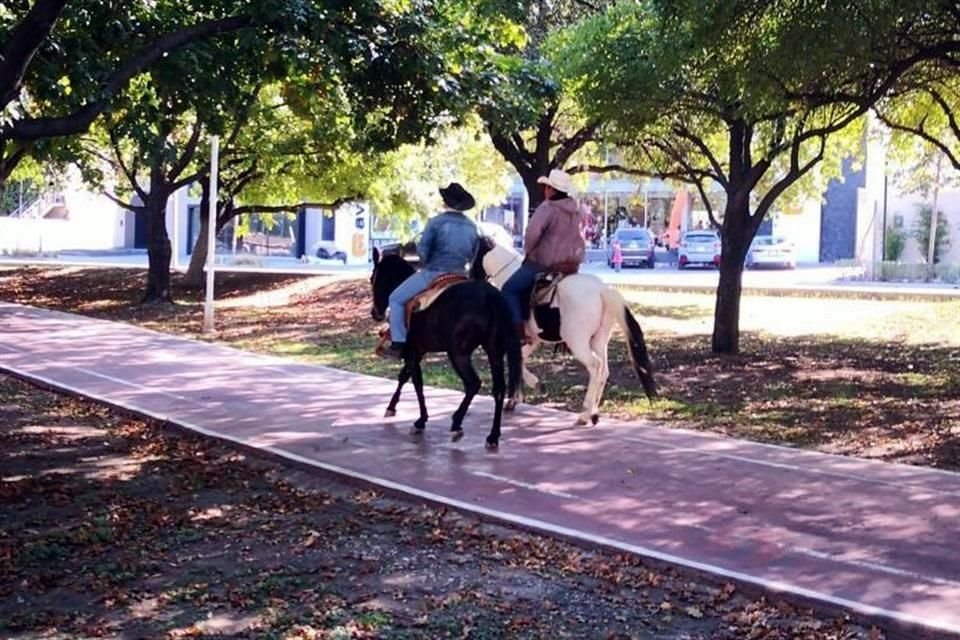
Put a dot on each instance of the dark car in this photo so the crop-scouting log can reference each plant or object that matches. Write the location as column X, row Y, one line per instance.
column 325, row 253
column 636, row 245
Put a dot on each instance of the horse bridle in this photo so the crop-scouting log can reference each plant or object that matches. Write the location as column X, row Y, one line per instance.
column 504, row 267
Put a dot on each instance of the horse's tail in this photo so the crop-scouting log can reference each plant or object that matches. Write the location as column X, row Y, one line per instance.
column 614, row 301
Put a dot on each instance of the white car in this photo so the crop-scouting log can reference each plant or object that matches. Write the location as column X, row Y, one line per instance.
column 699, row 248
column 771, row 251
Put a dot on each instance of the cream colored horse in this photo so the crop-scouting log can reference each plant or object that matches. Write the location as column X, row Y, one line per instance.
column 589, row 309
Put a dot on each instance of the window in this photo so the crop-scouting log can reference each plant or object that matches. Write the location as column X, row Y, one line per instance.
column 329, row 226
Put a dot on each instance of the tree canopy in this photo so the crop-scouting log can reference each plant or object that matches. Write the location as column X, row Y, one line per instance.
column 750, row 95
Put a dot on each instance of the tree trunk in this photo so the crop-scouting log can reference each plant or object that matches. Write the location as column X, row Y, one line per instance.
column 534, row 189
column 198, row 257
column 159, row 250
column 932, row 244
column 736, row 234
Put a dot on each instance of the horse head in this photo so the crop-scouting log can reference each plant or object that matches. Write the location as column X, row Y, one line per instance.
column 495, row 263
column 388, row 272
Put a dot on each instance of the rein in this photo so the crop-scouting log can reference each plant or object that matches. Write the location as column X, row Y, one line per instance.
column 503, row 268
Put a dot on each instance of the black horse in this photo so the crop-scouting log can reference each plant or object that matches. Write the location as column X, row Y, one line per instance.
column 465, row 316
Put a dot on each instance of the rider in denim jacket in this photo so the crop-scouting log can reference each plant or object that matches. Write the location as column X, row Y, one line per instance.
column 448, row 245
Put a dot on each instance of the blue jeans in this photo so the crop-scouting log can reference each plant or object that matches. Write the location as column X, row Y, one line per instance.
column 417, row 283
column 517, row 288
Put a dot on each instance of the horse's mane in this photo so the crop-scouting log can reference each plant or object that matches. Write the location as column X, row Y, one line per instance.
column 396, row 261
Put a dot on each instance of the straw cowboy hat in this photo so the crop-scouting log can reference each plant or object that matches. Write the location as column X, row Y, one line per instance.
column 456, row 197
column 559, row 180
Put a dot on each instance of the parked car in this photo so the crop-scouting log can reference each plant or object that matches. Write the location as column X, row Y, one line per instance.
column 327, row 251
column 772, row 251
column 701, row 247
column 636, row 245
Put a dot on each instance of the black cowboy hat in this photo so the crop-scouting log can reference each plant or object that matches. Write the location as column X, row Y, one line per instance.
column 456, row 197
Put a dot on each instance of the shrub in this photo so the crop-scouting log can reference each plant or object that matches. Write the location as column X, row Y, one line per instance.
column 894, row 244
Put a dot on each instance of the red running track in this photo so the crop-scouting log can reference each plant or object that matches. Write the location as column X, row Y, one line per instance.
column 880, row 539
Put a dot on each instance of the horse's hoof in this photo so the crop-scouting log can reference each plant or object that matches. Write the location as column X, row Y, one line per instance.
column 581, row 421
column 389, row 413
column 510, row 405
column 416, row 431
column 455, row 435
column 594, row 419
column 492, row 444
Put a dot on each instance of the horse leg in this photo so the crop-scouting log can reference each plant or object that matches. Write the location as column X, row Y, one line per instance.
column 401, row 380
column 417, row 374
column 528, row 378
column 598, row 344
column 471, row 385
column 499, row 390
column 579, row 346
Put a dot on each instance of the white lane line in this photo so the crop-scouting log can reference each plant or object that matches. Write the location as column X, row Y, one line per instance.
column 138, row 387
column 791, row 467
column 873, row 566
column 525, row 485
column 819, row 555
column 540, row 525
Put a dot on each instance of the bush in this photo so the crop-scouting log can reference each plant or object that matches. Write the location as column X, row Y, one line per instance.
column 921, row 232
column 893, row 245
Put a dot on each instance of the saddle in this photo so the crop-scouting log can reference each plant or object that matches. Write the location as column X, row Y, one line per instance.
column 545, row 312
column 420, row 302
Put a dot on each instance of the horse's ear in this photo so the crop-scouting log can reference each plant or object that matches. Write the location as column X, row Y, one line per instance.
column 376, row 256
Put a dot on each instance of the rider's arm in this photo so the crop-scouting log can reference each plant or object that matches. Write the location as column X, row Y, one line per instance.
column 425, row 247
column 538, row 224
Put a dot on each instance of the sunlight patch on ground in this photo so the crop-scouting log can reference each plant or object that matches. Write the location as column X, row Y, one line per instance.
column 910, row 321
column 282, row 296
column 72, row 432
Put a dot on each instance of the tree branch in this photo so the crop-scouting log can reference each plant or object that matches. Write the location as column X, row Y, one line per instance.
column 541, row 152
column 521, row 159
column 921, row 133
column 610, row 168
column 121, row 203
column 795, row 173
column 242, row 114
column 22, row 45
column 186, row 180
column 127, row 171
column 189, row 150
column 682, row 131
column 574, row 143
column 706, row 203
column 293, row 208
column 10, row 162
column 80, row 120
